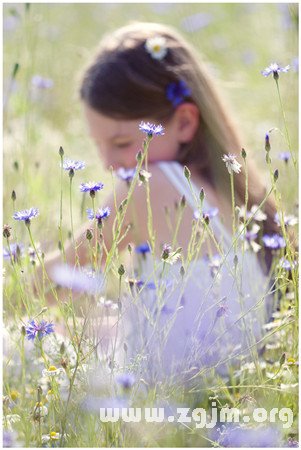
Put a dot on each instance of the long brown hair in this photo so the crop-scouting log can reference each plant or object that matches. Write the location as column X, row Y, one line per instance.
column 125, row 82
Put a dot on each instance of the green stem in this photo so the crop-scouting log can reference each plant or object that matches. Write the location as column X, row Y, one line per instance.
column 61, row 214
column 285, row 126
column 42, row 265
column 233, row 207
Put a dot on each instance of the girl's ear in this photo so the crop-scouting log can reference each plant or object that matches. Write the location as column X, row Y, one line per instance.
column 187, row 117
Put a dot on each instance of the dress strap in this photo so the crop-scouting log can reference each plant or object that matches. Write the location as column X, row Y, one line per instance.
column 174, row 171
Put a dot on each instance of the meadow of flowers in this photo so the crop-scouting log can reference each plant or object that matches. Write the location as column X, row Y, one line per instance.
column 62, row 360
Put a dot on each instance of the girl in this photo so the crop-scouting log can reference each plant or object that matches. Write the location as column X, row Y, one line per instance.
column 197, row 297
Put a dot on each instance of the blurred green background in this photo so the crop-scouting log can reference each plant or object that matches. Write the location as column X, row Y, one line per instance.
column 55, row 41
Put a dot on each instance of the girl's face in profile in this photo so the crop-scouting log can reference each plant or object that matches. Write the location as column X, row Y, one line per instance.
column 118, row 141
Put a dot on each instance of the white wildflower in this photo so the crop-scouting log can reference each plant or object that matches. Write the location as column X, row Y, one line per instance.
column 52, row 371
column 231, row 163
column 254, row 212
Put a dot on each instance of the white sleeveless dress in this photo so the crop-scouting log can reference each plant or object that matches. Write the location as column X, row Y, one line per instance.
column 202, row 322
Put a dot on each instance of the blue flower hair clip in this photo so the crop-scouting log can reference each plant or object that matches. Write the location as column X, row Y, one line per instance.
column 177, row 92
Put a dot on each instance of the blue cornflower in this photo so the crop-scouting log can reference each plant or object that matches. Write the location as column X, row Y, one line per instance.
column 126, row 380
column 70, row 164
column 26, row 214
column 285, row 156
column 274, row 69
column 143, row 248
column 274, row 241
column 210, row 212
column 34, row 329
column 151, row 129
column 15, row 251
column 41, row 83
column 100, row 214
column 91, row 187
column 289, row 221
column 196, row 22
column 285, row 264
column 126, row 174
column 176, row 92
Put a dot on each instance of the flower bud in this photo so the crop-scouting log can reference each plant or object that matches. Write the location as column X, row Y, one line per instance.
column 267, row 143
column 89, row 234
column 276, row 175
column 130, row 248
column 13, row 196
column 16, row 166
column 61, row 152
column 182, row 271
column 23, row 330
column 121, row 270
column 139, row 156
column 166, row 252
column 243, row 153
column 6, row 231
column 202, row 194
column 187, row 173
column 206, row 219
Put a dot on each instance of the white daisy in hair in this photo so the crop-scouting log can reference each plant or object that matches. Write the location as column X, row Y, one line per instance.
column 156, row 47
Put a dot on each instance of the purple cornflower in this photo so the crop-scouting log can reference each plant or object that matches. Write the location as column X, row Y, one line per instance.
column 240, row 436
column 274, row 241
column 274, row 69
column 126, row 174
column 285, row 156
column 249, row 237
column 214, row 263
column 289, row 221
column 210, row 212
column 100, row 214
column 140, row 284
column 143, row 248
column 286, row 265
column 15, row 251
column 26, row 215
column 41, row 83
column 196, row 22
column 177, row 92
column 35, row 329
column 91, row 187
column 77, row 280
column 126, row 380
column 70, row 164
column 292, row 443
column 151, row 129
